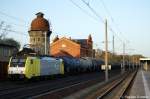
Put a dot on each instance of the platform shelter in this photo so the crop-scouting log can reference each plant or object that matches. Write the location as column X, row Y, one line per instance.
column 145, row 63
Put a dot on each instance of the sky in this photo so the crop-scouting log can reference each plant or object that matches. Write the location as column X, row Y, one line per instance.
column 128, row 21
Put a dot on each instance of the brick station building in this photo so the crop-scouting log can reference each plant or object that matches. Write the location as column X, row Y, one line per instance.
column 72, row 47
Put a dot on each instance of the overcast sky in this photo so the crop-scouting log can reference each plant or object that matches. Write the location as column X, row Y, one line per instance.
column 129, row 19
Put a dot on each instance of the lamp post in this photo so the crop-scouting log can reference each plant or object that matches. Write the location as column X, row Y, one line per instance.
column 106, row 53
column 123, row 63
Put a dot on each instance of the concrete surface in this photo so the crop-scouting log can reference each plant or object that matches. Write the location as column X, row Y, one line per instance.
column 141, row 86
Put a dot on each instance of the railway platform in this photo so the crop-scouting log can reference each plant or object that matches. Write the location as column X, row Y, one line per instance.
column 141, row 86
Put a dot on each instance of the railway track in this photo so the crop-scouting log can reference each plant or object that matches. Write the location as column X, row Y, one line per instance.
column 115, row 89
column 65, row 91
column 30, row 90
column 27, row 90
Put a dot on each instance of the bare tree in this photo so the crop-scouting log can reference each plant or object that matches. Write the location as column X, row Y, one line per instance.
column 1, row 25
column 11, row 41
column 5, row 31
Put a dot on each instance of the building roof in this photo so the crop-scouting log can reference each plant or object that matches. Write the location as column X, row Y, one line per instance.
column 25, row 51
column 40, row 23
column 64, row 38
column 7, row 45
column 82, row 42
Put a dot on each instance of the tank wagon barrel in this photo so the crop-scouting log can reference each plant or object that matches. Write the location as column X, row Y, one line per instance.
column 71, row 65
column 78, row 65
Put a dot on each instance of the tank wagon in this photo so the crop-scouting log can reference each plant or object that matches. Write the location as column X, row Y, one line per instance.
column 78, row 65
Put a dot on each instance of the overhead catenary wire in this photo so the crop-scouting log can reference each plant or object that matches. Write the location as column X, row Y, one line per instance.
column 112, row 19
column 93, row 11
column 12, row 17
column 83, row 10
column 101, row 19
column 107, row 11
column 18, row 32
column 14, row 24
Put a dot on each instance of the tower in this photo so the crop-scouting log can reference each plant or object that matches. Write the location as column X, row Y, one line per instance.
column 40, row 35
column 90, row 42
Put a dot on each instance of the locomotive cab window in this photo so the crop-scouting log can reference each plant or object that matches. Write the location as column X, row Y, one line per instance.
column 17, row 62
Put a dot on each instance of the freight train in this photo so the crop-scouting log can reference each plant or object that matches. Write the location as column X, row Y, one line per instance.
column 30, row 66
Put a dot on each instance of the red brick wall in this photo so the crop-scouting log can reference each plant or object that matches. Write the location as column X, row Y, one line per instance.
column 85, row 52
column 66, row 47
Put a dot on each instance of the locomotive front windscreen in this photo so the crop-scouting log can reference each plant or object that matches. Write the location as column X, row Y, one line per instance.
column 17, row 62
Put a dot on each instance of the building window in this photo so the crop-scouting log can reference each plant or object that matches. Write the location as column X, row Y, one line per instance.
column 34, row 39
column 30, row 40
column 6, row 52
column 1, row 52
column 38, row 39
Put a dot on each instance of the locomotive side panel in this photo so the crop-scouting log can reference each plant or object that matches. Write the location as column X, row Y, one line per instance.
column 32, row 67
column 51, row 67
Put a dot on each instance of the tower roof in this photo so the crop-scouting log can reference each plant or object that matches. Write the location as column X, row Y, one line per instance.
column 40, row 23
column 90, row 37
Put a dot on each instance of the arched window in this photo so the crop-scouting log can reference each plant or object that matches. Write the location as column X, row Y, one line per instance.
column 38, row 39
column 34, row 40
